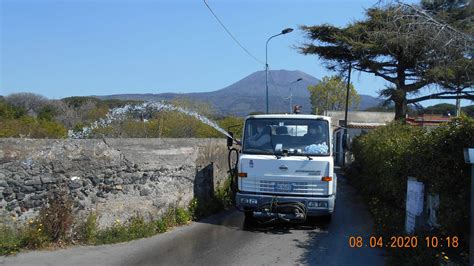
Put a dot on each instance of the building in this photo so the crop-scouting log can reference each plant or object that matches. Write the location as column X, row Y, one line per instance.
column 427, row 120
column 359, row 122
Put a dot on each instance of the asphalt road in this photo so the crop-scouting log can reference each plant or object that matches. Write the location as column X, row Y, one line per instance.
column 227, row 238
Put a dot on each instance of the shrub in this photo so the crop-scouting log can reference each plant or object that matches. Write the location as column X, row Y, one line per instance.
column 161, row 226
column 87, row 231
column 33, row 235
column 182, row 216
column 56, row 216
column 446, row 173
column 384, row 159
column 138, row 228
column 114, row 234
column 222, row 198
column 10, row 241
column 31, row 127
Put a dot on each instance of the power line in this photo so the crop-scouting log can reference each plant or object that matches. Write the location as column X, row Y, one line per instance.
column 232, row 36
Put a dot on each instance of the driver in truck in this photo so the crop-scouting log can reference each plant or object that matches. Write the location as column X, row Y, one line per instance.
column 261, row 137
column 314, row 135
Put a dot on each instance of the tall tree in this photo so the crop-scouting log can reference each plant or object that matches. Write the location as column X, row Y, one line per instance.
column 30, row 102
column 401, row 44
column 330, row 94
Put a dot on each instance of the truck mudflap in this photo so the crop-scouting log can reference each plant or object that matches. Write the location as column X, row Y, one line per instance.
column 295, row 212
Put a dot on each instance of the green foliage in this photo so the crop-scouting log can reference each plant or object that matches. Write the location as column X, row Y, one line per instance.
column 77, row 112
column 330, row 94
column 167, row 125
column 447, row 173
column 47, row 113
column 386, row 44
column 444, row 108
column 441, row 109
column 452, row 11
column 468, row 110
column 87, row 231
column 54, row 221
column 10, row 243
column 384, row 159
column 33, row 235
column 223, row 193
column 137, row 227
column 223, row 197
column 182, row 216
column 161, row 226
column 14, row 122
column 8, row 111
column 27, row 126
column 114, row 234
column 236, row 125
column 78, row 101
column 381, row 155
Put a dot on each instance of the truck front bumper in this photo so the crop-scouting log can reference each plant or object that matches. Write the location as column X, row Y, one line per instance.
column 316, row 206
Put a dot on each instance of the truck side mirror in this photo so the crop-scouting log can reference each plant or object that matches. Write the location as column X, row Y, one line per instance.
column 344, row 141
column 230, row 139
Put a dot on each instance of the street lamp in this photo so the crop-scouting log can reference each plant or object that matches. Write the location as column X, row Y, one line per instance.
column 285, row 31
column 291, row 95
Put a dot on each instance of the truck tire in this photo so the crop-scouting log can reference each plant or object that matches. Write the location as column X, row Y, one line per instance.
column 248, row 214
column 327, row 217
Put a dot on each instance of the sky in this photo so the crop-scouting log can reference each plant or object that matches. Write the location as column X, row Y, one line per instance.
column 66, row 48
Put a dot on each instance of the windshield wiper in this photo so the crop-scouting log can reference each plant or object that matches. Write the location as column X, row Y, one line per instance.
column 273, row 148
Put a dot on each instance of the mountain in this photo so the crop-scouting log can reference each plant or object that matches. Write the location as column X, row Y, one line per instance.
column 248, row 94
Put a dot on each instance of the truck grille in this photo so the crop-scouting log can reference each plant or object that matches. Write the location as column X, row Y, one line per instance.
column 285, row 187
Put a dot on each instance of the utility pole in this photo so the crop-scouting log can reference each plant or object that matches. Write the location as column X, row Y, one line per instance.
column 346, row 137
column 327, row 102
column 291, row 94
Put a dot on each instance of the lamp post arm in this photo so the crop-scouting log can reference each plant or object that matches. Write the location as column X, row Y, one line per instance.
column 266, row 46
column 266, row 69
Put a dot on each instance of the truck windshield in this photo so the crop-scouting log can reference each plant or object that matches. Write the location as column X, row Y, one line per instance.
column 293, row 136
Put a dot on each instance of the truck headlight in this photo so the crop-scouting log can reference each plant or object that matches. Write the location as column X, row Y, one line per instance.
column 315, row 204
column 248, row 201
column 322, row 204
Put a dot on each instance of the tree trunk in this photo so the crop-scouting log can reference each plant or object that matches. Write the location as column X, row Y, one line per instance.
column 401, row 108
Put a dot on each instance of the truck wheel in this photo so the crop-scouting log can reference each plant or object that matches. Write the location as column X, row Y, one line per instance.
column 248, row 214
column 327, row 217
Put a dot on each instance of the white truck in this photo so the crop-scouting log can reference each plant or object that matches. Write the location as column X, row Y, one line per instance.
column 285, row 168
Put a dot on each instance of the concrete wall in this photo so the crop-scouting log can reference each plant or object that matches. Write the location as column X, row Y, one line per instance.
column 118, row 178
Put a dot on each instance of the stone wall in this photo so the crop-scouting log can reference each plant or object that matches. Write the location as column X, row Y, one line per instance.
column 117, row 178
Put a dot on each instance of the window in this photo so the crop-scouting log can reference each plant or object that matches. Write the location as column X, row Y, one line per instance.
column 292, row 136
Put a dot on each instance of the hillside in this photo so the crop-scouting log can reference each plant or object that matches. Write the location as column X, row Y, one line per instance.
column 248, row 94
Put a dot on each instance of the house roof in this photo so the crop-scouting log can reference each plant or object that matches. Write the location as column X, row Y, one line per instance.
column 428, row 120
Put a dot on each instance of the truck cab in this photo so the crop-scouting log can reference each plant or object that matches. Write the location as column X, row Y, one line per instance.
column 286, row 168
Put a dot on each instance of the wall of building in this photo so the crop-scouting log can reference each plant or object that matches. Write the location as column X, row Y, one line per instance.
column 361, row 117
